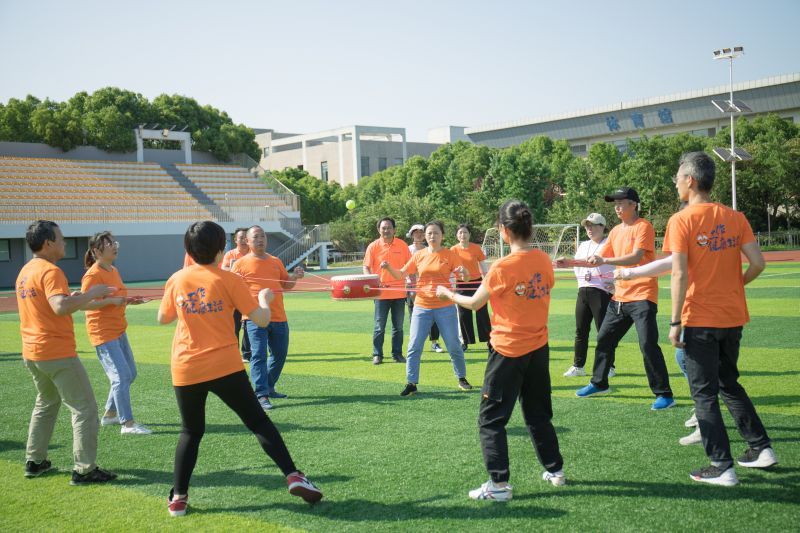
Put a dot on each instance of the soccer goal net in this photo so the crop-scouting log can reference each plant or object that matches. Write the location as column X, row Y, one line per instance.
column 553, row 239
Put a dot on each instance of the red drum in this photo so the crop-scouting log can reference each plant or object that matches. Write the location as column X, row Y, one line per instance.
column 355, row 287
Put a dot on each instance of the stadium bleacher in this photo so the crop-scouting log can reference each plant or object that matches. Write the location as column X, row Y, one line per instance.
column 232, row 187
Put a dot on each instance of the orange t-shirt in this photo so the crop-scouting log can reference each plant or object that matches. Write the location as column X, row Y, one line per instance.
column 107, row 323
column 45, row 335
column 711, row 235
column 203, row 299
column 433, row 269
column 623, row 240
column 267, row 273
column 471, row 256
column 519, row 288
column 231, row 256
column 397, row 254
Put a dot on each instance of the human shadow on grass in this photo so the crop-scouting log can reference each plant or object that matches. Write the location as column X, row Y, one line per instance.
column 775, row 400
column 6, row 356
column 769, row 372
column 360, row 510
column 233, row 429
column 376, row 399
column 748, row 490
column 266, row 476
column 9, row 445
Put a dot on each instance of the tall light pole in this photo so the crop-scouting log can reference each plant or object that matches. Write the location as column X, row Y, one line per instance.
column 731, row 107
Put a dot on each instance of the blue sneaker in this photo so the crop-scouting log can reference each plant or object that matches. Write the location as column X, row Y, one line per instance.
column 662, row 402
column 591, row 390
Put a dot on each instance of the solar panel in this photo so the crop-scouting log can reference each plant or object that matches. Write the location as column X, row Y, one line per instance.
column 726, row 106
column 741, row 154
column 724, row 154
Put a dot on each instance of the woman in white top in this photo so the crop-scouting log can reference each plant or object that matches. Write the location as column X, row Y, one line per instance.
column 595, row 287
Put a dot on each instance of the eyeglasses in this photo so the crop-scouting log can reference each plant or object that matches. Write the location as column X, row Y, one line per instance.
column 109, row 244
column 677, row 176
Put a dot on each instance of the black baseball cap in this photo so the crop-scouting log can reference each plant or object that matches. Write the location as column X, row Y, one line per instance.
column 623, row 193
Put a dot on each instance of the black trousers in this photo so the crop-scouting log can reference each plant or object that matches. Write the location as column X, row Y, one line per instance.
column 238, row 324
column 591, row 304
column 235, row 390
column 434, row 336
column 618, row 320
column 481, row 316
column 507, row 379
column 711, row 366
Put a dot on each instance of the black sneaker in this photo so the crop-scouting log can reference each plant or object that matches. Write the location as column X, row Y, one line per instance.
column 37, row 469
column 715, row 476
column 409, row 390
column 753, row 458
column 98, row 475
column 399, row 359
column 463, row 384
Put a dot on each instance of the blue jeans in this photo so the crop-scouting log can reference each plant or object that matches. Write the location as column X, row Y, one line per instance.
column 421, row 321
column 680, row 358
column 265, row 371
column 117, row 360
column 382, row 308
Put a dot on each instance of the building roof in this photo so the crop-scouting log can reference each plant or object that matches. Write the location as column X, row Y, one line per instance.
column 755, row 84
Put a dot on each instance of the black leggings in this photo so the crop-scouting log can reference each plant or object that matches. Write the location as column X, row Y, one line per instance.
column 235, row 390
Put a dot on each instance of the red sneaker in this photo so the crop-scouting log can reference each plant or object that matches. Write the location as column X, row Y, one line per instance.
column 299, row 485
column 177, row 507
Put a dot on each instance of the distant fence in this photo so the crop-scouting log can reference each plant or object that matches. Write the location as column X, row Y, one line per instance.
column 345, row 257
column 784, row 239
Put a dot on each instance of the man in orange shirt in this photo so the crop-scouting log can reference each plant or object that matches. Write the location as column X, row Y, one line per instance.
column 635, row 302
column 261, row 270
column 392, row 297
column 706, row 241
column 48, row 350
column 230, row 257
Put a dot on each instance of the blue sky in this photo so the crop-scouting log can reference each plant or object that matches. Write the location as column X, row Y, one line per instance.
column 304, row 66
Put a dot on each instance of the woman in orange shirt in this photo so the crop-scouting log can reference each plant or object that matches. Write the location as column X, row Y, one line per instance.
column 518, row 287
column 433, row 266
column 106, row 325
column 206, row 358
column 474, row 261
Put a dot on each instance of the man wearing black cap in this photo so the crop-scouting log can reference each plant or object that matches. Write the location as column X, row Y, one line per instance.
column 634, row 302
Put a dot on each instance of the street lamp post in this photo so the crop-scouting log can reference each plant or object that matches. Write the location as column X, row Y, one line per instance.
column 731, row 107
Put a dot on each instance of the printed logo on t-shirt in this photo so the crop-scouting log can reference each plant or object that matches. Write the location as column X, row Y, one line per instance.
column 717, row 241
column 23, row 292
column 195, row 303
column 534, row 289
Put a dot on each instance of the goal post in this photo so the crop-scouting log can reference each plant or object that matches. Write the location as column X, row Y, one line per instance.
column 555, row 240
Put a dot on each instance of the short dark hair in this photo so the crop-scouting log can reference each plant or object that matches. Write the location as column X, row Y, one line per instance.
column 95, row 243
column 700, row 166
column 387, row 219
column 464, row 226
column 515, row 216
column 438, row 223
column 39, row 232
column 204, row 240
column 237, row 230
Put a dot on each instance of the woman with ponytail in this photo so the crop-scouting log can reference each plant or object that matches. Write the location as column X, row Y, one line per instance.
column 518, row 286
column 106, row 325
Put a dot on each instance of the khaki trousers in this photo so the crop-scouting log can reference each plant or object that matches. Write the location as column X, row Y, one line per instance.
column 63, row 380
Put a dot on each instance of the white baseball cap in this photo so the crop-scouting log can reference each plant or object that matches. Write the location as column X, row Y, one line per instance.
column 414, row 228
column 594, row 218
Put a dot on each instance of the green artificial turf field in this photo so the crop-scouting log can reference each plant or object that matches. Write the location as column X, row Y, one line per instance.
column 392, row 463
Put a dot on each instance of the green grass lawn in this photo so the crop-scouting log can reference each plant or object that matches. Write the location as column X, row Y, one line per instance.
column 390, row 463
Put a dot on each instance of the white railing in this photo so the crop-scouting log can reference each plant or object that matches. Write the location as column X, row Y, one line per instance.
column 303, row 244
column 287, row 196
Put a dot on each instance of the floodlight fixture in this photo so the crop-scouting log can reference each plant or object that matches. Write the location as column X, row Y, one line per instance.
column 731, row 107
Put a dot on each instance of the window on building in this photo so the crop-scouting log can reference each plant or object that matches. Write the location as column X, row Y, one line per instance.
column 381, row 163
column 712, row 132
column 398, row 160
column 265, row 151
column 299, row 167
column 5, row 251
column 323, row 171
column 578, row 149
column 71, row 248
column 364, row 165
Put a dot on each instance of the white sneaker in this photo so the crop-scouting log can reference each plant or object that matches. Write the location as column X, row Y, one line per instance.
column 490, row 491
column 763, row 459
column 693, row 438
column 714, row 476
column 136, row 429
column 692, row 422
column 109, row 421
column 612, row 372
column 436, row 347
column 555, row 478
column 574, row 372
